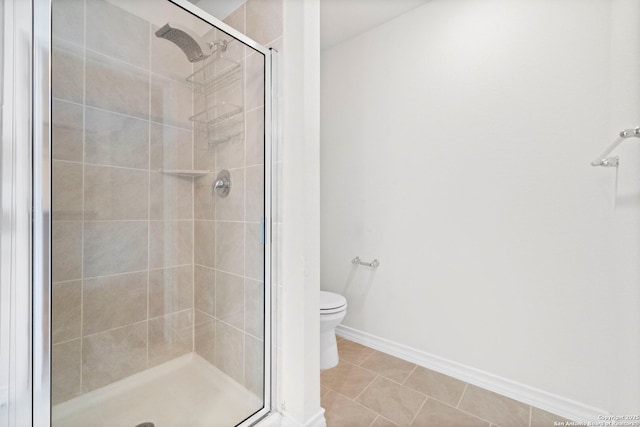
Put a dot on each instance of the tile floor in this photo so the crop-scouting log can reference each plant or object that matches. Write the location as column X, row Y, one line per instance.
column 369, row 388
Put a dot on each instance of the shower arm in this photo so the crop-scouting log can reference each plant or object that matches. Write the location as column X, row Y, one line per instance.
column 603, row 160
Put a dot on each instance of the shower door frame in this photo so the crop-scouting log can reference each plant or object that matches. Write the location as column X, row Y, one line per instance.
column 40, row 315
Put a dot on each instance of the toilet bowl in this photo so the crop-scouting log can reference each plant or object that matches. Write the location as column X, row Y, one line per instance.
column 333, row 308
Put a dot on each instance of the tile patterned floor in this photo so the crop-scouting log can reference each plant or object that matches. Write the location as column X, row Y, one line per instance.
column 369, row 388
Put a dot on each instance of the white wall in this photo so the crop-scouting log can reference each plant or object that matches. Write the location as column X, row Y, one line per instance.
column 455, row 148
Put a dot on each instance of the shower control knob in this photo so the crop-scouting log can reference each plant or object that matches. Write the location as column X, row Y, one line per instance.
column 222, row 184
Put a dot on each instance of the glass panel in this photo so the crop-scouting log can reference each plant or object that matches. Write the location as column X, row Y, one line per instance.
column 158, row 212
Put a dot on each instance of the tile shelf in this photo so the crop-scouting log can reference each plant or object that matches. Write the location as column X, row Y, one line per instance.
column 191, row 173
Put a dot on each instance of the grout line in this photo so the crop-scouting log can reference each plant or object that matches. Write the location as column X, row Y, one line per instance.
column 424, row 402
column 462, row 411
column 367, row 358
column 366, row 387
column 84, row 124
column 116, row 328
column 124, row 115
column 148, row 194
column 410, row 373
column 462, row 395
column 375, row 419
column 530, row 414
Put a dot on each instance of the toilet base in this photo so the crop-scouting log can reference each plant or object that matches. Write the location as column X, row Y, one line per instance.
column 328, row 349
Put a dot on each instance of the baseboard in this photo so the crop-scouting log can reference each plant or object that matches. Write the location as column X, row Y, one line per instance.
column 550, row 402
column 316, row 420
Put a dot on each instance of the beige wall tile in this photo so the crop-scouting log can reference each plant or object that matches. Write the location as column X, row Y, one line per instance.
column 230, row 154
column 116, row 140
column 438, row 414
column 171, row 148
column 66, row 250
column 66, row 72
column 230, row 299
column 171, row 102
column 205, row 243
column 255, row 137
column 236, row 19
column 204, row 335
column 254, row 211
column 116, row 86
column 66, row 131
column 493, row 407
column 264, row 20
column 392, row 400
column 229, row 354
column 114, row 301
column 126, row 355
column 343, row 412
column 347, row 379
column 67, row 190
column 254, row 252
column 254, row 365
column 229, row 245
column 231, row 208
column 170, row 290
column 115, row 193
column 66, row 303
column 388, row 366
column 171, row 197
column 254, row 308
column 65, row 371
column 434, row 384
column 112, row 247
column 204, row 153
column 254, row 88
column 170, row 336
column 67, row 20
column 117, row 33
column 171, row 243
column 204, row 198
column 205, row 289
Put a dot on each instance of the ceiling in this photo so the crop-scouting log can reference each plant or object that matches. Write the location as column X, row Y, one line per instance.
column 340, row 20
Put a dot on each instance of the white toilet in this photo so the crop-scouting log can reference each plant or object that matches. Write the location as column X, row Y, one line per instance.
column 333, row 308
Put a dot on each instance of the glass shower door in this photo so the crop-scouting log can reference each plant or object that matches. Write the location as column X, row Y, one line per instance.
column 158, row 210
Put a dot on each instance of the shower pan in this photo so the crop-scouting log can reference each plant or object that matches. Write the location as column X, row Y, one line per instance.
column 159, row 219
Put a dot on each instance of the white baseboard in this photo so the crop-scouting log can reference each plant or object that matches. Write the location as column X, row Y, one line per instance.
column 316, row 420
column 550, row 402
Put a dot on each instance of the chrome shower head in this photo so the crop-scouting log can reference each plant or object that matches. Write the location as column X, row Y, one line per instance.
column 192, row 46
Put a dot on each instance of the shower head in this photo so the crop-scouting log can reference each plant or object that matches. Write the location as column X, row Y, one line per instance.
column 192, row 46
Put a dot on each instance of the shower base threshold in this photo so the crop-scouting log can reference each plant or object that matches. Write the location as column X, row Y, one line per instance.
column 187, row 391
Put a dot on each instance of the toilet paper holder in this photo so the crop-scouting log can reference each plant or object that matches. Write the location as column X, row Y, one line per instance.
column 372, row 264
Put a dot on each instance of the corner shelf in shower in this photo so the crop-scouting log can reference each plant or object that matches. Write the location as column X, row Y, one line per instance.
column 191, row 173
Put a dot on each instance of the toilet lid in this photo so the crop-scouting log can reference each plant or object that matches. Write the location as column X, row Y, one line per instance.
column 331, row 301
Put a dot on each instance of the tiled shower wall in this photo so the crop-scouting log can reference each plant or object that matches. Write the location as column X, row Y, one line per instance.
column 233, row 313
column 237, row 321
column 122, row 231
column 149, row 266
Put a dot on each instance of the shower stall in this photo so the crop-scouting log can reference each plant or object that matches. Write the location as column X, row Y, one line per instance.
column 152, row 191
